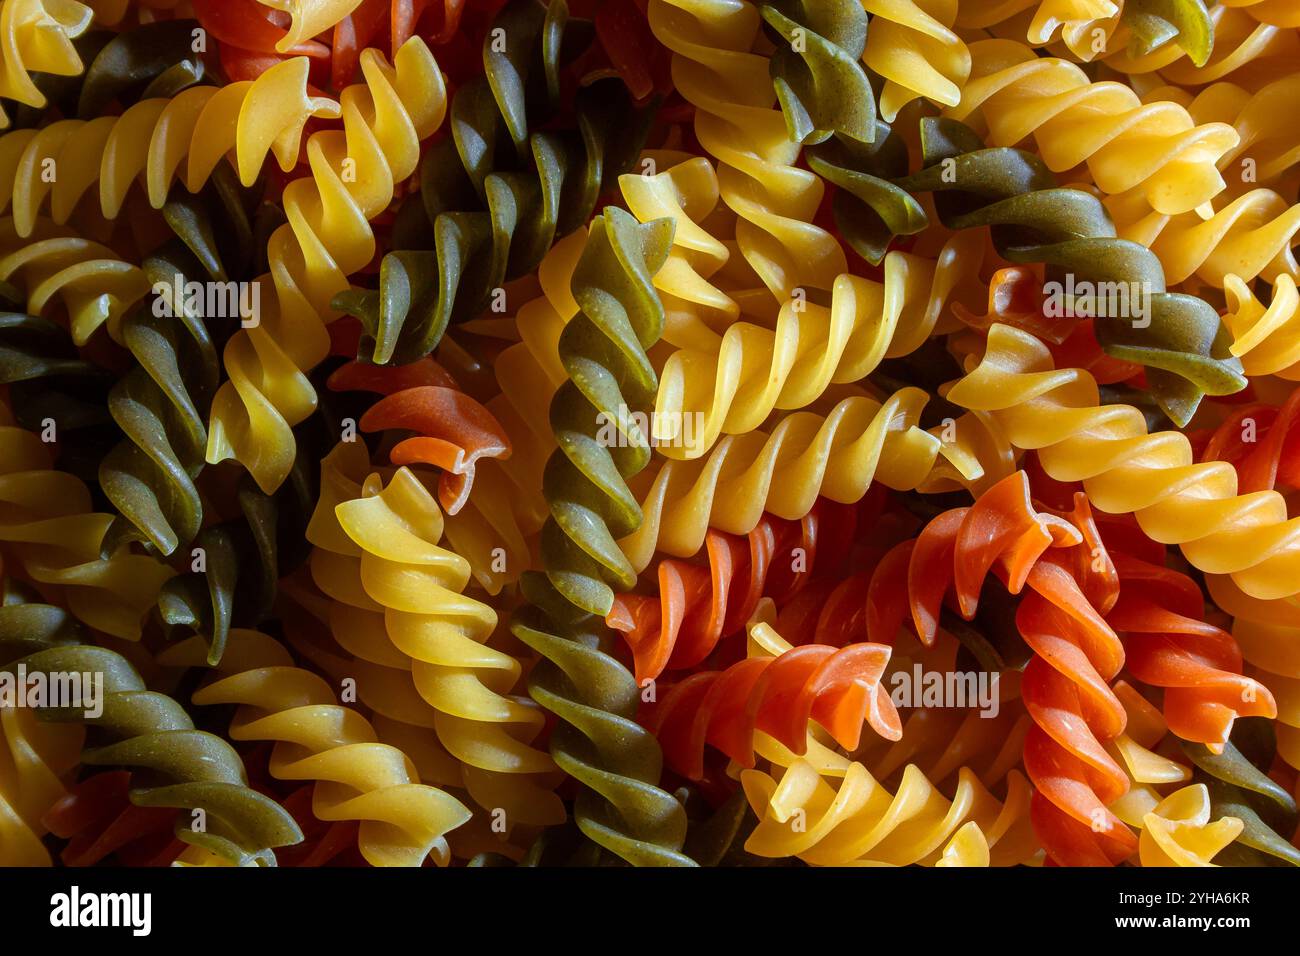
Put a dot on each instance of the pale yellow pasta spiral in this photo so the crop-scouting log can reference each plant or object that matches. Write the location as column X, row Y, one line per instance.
column 737, row 123
column 1154, row 149
column 399, row 604
column 309, row 18
column 1268, row 633
column 1249, row 237
column 1124, row 469
column 153, row 139
column 402, row 822
column 732, row 387
column 328, row 236
column 1265, row 336
column 845, row 817
column 782, row 471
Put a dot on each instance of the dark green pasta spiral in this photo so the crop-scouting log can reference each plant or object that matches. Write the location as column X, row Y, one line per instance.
column 597, row 741
column 1238, row 788
column 870, row 211
column 1184, row 348
column 500, row 190
column 172, row 764
column 149, row 60
column 234, row 567
column 817, row 69
column 161, row 405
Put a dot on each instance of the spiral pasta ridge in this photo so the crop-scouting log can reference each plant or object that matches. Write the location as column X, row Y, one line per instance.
column 356, row 778
column 400, row 598
column 1125, row 469
column 354, row 173
column 149, row 732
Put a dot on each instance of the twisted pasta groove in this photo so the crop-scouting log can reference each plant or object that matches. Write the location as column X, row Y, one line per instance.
column 328, row 236
column 399, row 602
column 1124, row 469
column 729, row 87
column 860, row 823
column 1249, row 238
column 38, row 37
column 402, row 822
column 151, row 735
column 783, row 471
column 47, row 524
column 596, row 741
column 816, row 73
column 1154, row 149
column 752, row 370
column 777, row 692
column 1239, row 789
column 912, row 46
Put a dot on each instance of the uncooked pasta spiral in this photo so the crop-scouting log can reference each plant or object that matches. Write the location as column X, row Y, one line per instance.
column 1154, row 149
column 1076, row 655
column 911, row 44
column 735, row 122
column 449, row 429
column 845, row 817
column 1179, row 830
column 1262, row 443
column 497, row 193
column 232, row 572
column 733, row 386
column 35, row 756
column 1160, row 616
column 53, row 268
column 47, row 524
column 160, row 405
column 37, row 37
column 101, row 825
column 1124, row 469
column 699, row 604
column 400, row 603
column 50, row 382
column 357, row 778
column 837, row 455
column 328, row 237
column 596, row 741
column 150, row 734
column 816, row 69
column 1177, row 337
column 776, row 692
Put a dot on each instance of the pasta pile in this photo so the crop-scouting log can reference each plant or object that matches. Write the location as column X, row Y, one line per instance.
column 650, row 432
